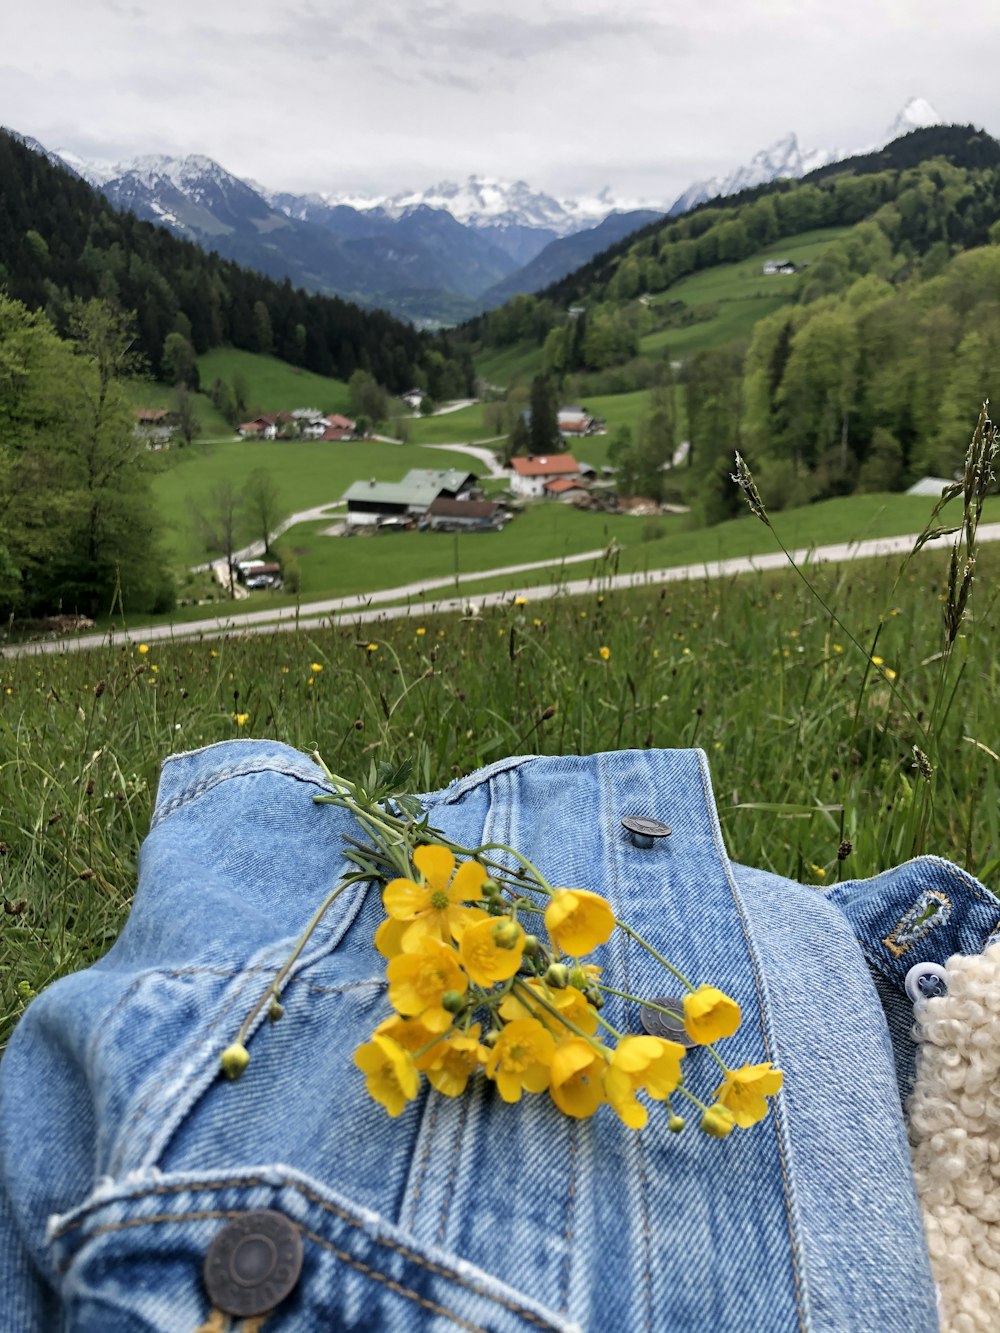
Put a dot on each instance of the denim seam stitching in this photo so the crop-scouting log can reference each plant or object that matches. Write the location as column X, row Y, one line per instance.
column 778, row 1118
column 456, row 1147
column 404, row 1251
column 432, row 1106
column 162, row 812
column 610, row 833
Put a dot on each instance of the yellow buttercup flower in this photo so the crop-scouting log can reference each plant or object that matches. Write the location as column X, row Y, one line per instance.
column 390, row 1075
column 418, row 982
column 484, row 958
column 453, row 1061
column 435, row 906
column 578, row 920
column 745, row 1090
column 710, row 1015
column 315, row 667
column 520, row 1059
column 240, row 718
column 143, row 649
column 571, row 1003
column 652, row 1064
column 421, row 631
column 388, row 938
column 604, row 652
column 576, row 1084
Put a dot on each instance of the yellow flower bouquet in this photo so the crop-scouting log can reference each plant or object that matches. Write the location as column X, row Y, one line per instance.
column 489, row 975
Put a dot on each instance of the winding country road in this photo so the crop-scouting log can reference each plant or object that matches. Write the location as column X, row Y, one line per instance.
column 371, row 608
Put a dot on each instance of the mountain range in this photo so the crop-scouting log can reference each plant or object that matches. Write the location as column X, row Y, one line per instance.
column 434, row 256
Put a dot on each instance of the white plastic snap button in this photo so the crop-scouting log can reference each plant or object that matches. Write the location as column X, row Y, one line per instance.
column 926, row 980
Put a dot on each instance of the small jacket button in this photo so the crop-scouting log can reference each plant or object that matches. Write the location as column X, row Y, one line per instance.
column 253, row 1263
column 925, row 980
column 643, row 832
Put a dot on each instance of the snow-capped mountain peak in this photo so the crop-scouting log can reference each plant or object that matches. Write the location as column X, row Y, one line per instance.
column 918, row 114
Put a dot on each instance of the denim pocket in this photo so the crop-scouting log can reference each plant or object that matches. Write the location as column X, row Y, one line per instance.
column 132, row 1259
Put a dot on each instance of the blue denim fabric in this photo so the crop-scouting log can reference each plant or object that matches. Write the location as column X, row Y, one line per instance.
column 123, row 1153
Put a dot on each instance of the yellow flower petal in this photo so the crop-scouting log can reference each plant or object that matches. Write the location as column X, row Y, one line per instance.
column 744, row 1092
column 710, row 1015
column 578, row 920
column 390, row 1075
column 483, row 959
column 435, row 863
column 404, row 899
column 520, row 1058
column 577, row 1084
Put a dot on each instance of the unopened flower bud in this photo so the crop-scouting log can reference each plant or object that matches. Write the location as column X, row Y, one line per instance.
column 489, row 1038
column 594, row 998
column 557, row 975
column 530, row 945
column 452, row 1001
column 234, row 1060
column 491, row 888
column 275, row 1010
column 578, row 978
column 675, row 1124
column 506, row 935
column 718, row 1122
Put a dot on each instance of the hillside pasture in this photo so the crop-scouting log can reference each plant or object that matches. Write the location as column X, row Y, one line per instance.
column 273, row 385
column 307, row 473
column 461, row 427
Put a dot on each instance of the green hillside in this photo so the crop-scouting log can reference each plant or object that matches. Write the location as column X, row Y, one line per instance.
column 273, row 385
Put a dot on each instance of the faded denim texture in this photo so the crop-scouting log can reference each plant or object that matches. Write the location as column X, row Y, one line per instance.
column 124, row 1152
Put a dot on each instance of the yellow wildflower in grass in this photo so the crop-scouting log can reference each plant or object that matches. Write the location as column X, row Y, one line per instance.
column 604, row 652
column 310, row 681
column 578, row 920
column 652, row 1064
column 838, row 647
column 454, row 1061
column 877, row 661
column 709, row 1015
column 484, row 958
column 390, row 1075
column 212, row 653
column 571, row 1003
column 889, row 673
column 745, row 1090
column 718, row 1121
column 421, row 631
column 520, row 1059
column 372, row 648
column 143, row 649
column 577, row 1083
column 418, row 981
column 520, row 601
column 240, row 718
column 537, row 623
column 316, row 667
column 436, row 906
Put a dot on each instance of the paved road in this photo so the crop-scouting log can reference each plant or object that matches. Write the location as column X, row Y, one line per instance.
column 369, row 608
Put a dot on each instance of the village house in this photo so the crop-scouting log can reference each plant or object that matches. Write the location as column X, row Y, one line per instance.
column 398, row 503
column 566, row 489
column 261, row 428
column 338, row 428
column 446, row 515
column 531, row 473
column 772, row 266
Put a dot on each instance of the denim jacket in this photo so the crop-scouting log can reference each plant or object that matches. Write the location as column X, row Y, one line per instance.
column 124, row 1154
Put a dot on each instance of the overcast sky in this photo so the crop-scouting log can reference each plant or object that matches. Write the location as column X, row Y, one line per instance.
column 569, row 95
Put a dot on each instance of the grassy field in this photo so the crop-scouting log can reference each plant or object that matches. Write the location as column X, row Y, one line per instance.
column 147, row 393
column 459, row 427
column 272, row 385
column 507, row 365
column 341, row 566
column 307, row 473
column 737, row 295
column 810, row 743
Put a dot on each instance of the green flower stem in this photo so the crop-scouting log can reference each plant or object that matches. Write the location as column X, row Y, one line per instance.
column 692, row 1098
column 274, row 989
column 674, row 972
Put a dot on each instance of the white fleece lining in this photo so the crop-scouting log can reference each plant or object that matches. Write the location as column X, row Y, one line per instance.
column 954, row 1126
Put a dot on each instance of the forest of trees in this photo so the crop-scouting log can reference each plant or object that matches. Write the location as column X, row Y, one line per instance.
column 78, row 529
column 61, row 241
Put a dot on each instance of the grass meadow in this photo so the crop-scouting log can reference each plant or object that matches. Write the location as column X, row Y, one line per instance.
column 273, row 386
column 809, row 737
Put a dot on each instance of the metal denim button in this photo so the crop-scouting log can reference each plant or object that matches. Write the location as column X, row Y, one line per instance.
column 926, row 980
column 642, row 832
column 658, row 1024
column 253, row 1263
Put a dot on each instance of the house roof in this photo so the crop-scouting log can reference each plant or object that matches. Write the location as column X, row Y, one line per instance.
column 150, row 413
column 445, row 508
column 334, row 433
column 445, row 479
column 560, row 484
column 345, row 423
column 545, row 465
column 411, row 494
